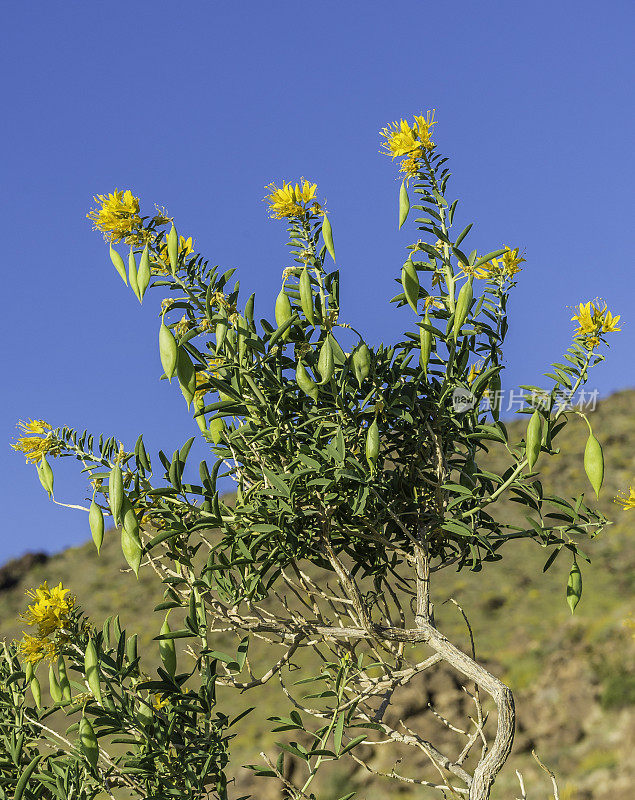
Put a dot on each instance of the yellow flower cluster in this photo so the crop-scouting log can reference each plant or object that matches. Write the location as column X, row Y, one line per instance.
column 404, row 139
column 506, row 266
column 627, row 500
column 50, row 614
column 293, row 201
column 593, row 319
column 117, row 215
column 37, row 442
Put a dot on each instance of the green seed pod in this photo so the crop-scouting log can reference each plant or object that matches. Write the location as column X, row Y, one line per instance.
column 494, row 389
column 327, row 235
column 241, row 327
column 216, row 428
column 168, row 351
column 410, row 283
column 533, row 439
column 132, row 273
column 404, row 204
column 306, row 296
column 425, row 342
column 326, row 364
column 36, row 691
column 24, row 778
column 144, row 714
column 64, row 683
column 463, row 305
column 283, row 312
column 88, row 742
column 186, row 374
column 144, row 273
column 372, row 445
column 91, row 670
column 45, row 474
column 303, row 379
column 96, row 522
column 130, row 541
column 221, row 333
column 574, row 586
column 594, row 463
column 173, row 248
column 117, row 260
column 131, row 549
column 361, row 362
column 167, row 650
column 54, row 686
column 115, row 492
column 131, row 648
column 28, row 671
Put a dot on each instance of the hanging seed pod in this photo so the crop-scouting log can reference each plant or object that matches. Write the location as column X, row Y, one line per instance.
column 574, row 586
column 186, row 374
column 168, row 351
column 303, row 379
column 327, row 235
column 144, row 273
column 96, row 522
column 494, row 389
column 36, row 691
column 463, row 305
column 54, row 686
column 167, row 650
column 144, row 714
column 533, row 439
column 115, row 492
column 130, row 541
column 216, row 428
column 425, row 342
column 24, row 778
column 131, row 648
column 117, row 260
column 241, row 327
column 173, row 248
column 64, row 683
column 45, row 474
column 88, row 742
column 91, row 670
column 404, row 204
column 372, row 445
column 283, row 313
column 28, row 671
column 132, row 273
column 306, row 296
column 410, row 283
column 361, row 362
column 221, row 332
column 326, row 364
column 594, row 463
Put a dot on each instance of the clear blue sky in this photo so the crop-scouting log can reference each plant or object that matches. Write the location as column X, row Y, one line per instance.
column 197, row 105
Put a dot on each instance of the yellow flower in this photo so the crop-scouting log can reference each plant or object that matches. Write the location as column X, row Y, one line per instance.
column 594, row 318
column 182, row 326
column 476, row 272
column 37, row 446
column 410, row 166
column 117, row 215
column 628, row 501
column 35, row 648
column 160, row 701
column 292, row 201
column 511, row 261
column 51, row 610
column 403, row 139
column 474, row 371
